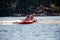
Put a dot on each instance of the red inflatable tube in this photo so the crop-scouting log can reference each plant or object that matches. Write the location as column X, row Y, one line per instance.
column 27, row 22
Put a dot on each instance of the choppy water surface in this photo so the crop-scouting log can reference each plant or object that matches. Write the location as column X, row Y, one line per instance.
column 30, row 31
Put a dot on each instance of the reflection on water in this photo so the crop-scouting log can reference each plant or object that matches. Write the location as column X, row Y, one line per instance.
column 30, row 31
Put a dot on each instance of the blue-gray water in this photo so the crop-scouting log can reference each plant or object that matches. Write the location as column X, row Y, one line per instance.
column 30, row 31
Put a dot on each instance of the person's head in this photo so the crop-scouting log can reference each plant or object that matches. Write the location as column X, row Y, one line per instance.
column 33, row 14
column 28, row 16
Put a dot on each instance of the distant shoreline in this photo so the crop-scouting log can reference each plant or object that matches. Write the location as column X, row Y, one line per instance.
column 25, row 16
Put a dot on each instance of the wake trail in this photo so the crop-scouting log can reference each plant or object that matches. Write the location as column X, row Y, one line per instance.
column 38, row 22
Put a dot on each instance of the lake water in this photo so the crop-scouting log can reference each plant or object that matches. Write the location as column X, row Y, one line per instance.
column 30, row 31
